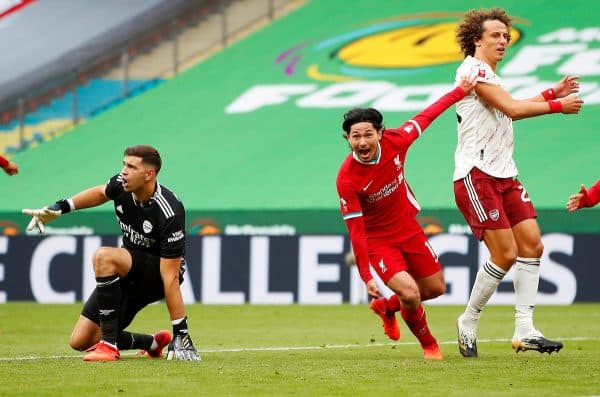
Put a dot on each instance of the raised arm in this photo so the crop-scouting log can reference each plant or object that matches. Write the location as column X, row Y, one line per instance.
column 516, row 109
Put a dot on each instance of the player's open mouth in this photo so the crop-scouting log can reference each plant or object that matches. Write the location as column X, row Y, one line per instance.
column 364, row 153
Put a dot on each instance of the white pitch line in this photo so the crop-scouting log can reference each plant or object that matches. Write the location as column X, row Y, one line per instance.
column 292, row 348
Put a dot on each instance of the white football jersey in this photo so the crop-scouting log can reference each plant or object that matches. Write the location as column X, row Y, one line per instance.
column 485, row 134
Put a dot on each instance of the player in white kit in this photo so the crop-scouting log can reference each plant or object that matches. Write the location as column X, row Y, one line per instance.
column 493, row 201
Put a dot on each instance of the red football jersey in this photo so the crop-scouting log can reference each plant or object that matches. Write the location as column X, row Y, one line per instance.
column 377, row 190
column 376, row 202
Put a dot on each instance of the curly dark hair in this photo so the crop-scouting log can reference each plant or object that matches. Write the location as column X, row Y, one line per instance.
column 471, row 28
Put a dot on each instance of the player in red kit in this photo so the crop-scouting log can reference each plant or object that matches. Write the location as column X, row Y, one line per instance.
column 380, row 212
column 585, row 198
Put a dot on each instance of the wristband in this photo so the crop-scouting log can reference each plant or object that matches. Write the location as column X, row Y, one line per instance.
column 63, row 205
column 555, row 106
column 549, row 94
column 4, row 162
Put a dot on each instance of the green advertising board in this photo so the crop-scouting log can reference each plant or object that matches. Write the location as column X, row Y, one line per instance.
column 251, row 137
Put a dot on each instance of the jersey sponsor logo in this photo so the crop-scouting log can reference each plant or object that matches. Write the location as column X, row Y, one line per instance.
column 386, row 190
column 106, row 312
column 367, row 185
column 408, row 129
column 494, row 214
column 176, row 236
column 120, row 208
column 135, row 237
column 147, row 226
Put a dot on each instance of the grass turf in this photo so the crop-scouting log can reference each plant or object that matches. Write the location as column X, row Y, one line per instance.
column 302, row 351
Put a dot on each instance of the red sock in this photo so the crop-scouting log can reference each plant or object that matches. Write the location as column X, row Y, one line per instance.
column 393, row 303
column 417, row 323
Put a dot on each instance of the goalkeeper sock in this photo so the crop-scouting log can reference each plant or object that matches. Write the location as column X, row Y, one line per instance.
column 129, row 340
column 109, row 302
column 417, row 323
column 180, row 326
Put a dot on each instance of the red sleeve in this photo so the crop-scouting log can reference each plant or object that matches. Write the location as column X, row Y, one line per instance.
column 356, row 229
column 352, row 214
column 593, row 195
column 430, row 113
column 3, row 162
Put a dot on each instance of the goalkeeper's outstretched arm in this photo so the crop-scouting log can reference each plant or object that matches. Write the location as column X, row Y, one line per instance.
column 91, row 197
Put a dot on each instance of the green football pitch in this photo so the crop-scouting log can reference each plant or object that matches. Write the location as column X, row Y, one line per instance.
column 302, row 351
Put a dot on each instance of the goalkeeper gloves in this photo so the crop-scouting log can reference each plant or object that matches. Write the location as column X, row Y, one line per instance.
column 182, row 347
column 40, row 217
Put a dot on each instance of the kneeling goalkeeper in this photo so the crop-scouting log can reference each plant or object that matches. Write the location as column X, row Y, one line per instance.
column 148, row 267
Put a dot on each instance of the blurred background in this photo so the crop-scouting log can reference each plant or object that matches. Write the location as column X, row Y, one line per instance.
column 244, row 100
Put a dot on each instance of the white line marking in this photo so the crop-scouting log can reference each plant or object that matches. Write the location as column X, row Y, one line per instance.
column 291, row 348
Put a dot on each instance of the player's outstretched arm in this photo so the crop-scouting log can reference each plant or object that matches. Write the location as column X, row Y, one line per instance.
column 88, row 198
column 500, row 99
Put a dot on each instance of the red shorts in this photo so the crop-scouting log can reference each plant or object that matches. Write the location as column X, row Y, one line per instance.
column 413, row 254
column 488, row 202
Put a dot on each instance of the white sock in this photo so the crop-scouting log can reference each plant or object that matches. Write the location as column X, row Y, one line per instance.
column 527, row 278
column 488, row 277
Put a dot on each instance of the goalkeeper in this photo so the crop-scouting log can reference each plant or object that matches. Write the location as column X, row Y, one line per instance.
column 148, row 267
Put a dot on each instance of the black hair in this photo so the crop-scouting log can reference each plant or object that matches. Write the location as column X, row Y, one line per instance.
column 359, row 115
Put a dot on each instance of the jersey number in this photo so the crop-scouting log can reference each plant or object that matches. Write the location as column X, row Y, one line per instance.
column 524, row 195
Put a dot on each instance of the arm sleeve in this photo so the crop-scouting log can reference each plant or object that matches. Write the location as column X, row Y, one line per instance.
column 430, row 113
column 593, row 195
column 172, row 243
column 407, row 133
column 3, row 162
column 358, row 237
column 352, row 214
column 114, row 187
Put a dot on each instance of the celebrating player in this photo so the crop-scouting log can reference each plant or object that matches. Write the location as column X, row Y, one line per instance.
column 585, row 198
column 493, row 201
column 148, row 268
column 380, row 212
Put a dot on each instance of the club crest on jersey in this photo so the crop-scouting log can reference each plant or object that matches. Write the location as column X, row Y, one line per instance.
column 494, row 214
column 147, row 226
column 382, row 266
column 398, row 162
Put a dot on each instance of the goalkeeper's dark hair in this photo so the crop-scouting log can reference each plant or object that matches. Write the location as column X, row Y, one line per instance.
column 147, row 153
column 359, row 115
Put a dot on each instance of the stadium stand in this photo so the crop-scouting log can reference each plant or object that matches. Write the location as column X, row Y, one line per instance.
column 251, row 136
